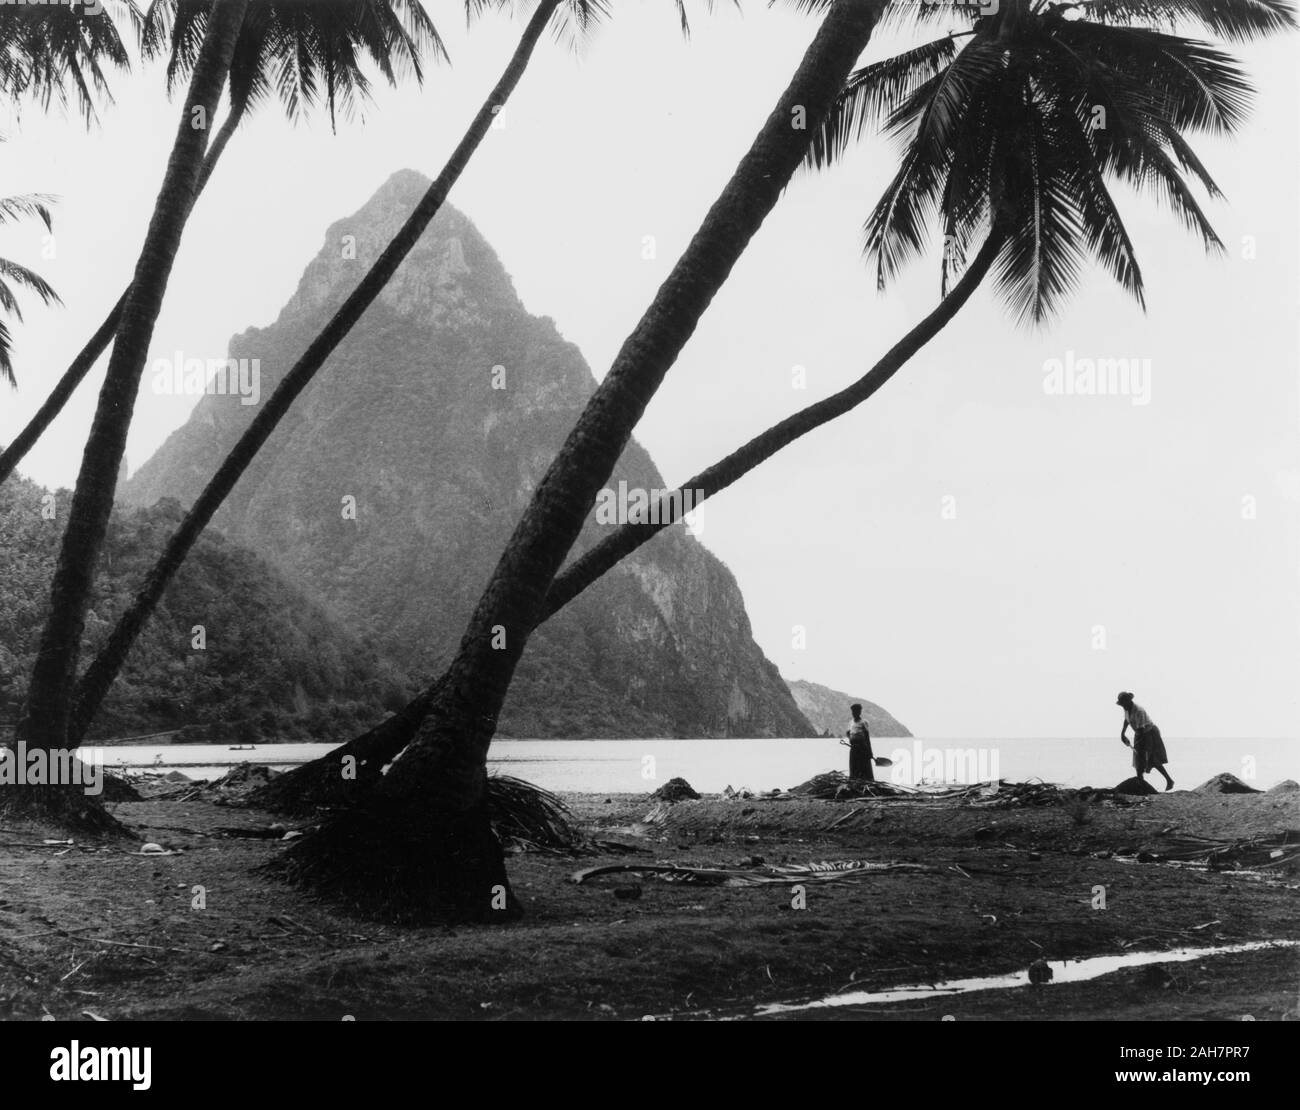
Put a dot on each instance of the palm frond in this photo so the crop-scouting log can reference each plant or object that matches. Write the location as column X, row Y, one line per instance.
column 27, row 206
column 873, row 93
column 306, row 54
column 27, row 279
column 1234, row 20
column 49, row 51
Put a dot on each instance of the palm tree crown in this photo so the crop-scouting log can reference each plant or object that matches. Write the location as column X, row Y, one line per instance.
column 48, row 50
column 301, row 53
column 1015, row 126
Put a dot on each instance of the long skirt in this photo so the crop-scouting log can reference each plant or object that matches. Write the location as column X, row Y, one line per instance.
column 1148, row 750
column 860, row 766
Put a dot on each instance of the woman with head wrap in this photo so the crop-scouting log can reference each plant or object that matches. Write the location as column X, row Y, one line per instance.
column 1148, row 745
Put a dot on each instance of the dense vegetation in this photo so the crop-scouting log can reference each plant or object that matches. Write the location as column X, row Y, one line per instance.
column 272, row 665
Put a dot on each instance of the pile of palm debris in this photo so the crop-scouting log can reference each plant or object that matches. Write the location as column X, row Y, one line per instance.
column 676, row 790
column 234, row 787
column 836, row 786
column 1000, row 794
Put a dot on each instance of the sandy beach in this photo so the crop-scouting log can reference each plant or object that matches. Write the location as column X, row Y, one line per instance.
column 982, row 889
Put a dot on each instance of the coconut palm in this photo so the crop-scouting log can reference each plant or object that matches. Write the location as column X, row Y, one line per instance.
column 576, row 17
column 966, row 149
column 47, row 709
column 48, row 51
column 1010, row 141
column 420, row 846
column 14, row 276
column 301, row 54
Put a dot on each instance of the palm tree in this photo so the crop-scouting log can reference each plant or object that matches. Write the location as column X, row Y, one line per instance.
column 1002, row 147
column 45, row 52
column 420, row 846
column 580, row 15
column 49, row 50
column 12, row 274
column 300, row 53
column 47, row 709
column 1199, row 88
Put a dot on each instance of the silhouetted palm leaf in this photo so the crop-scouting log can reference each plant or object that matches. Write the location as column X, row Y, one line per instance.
column 301, row 53
column 48, row 51
column 1020, row 128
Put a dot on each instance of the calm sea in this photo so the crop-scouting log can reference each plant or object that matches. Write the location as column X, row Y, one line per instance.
column 634, row 766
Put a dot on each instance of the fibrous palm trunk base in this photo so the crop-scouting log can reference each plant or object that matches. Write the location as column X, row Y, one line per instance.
column 404, row 863
column 64, row 807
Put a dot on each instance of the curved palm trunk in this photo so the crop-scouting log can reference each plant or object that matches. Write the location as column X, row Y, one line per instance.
column 103, row 670
column 422, row 845
column 318, row 783
column 48, row 708
column 582, row 572
column 16, row 451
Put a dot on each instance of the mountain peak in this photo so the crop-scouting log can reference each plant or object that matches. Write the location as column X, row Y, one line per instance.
column 451, row 268
column 396, row 478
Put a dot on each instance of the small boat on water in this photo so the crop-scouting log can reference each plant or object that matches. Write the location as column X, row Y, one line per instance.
column 242, row 748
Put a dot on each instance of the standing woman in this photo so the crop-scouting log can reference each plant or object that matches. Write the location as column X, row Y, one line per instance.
column 859, row 746
column 1148, row 745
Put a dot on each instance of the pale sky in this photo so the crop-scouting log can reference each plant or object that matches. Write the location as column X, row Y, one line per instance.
column 978, row 556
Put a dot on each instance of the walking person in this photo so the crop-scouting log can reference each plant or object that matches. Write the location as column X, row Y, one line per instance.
column 860, row 758
column 1148, row 745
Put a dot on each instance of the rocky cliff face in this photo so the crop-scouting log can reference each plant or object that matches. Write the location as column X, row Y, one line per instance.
column 828, row 710
column 389, row 491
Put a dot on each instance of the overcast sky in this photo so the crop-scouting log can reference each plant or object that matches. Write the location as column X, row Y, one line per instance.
column 977, row 555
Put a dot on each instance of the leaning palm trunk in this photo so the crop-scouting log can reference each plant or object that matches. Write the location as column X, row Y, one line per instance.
column 48, row 708
column 421, row 847
column 583, row 571
column 319, row 783
column 16, row 451
column 103, row 670
column 343, row 775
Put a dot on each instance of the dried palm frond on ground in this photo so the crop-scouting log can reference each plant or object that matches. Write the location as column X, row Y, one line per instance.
column 824, row 871
column 1256, row 853
column 526, row 816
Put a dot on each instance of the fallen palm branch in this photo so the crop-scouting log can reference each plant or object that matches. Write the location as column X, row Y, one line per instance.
column 526, row 816
column 782, row 875
column 1251, row 852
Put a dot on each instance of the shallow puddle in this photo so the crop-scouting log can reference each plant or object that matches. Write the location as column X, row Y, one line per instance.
column 1063, row 971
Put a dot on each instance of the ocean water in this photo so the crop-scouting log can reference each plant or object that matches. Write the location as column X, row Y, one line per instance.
column 636, row 766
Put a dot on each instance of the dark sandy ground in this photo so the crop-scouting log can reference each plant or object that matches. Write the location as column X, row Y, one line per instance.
column 98, row 929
